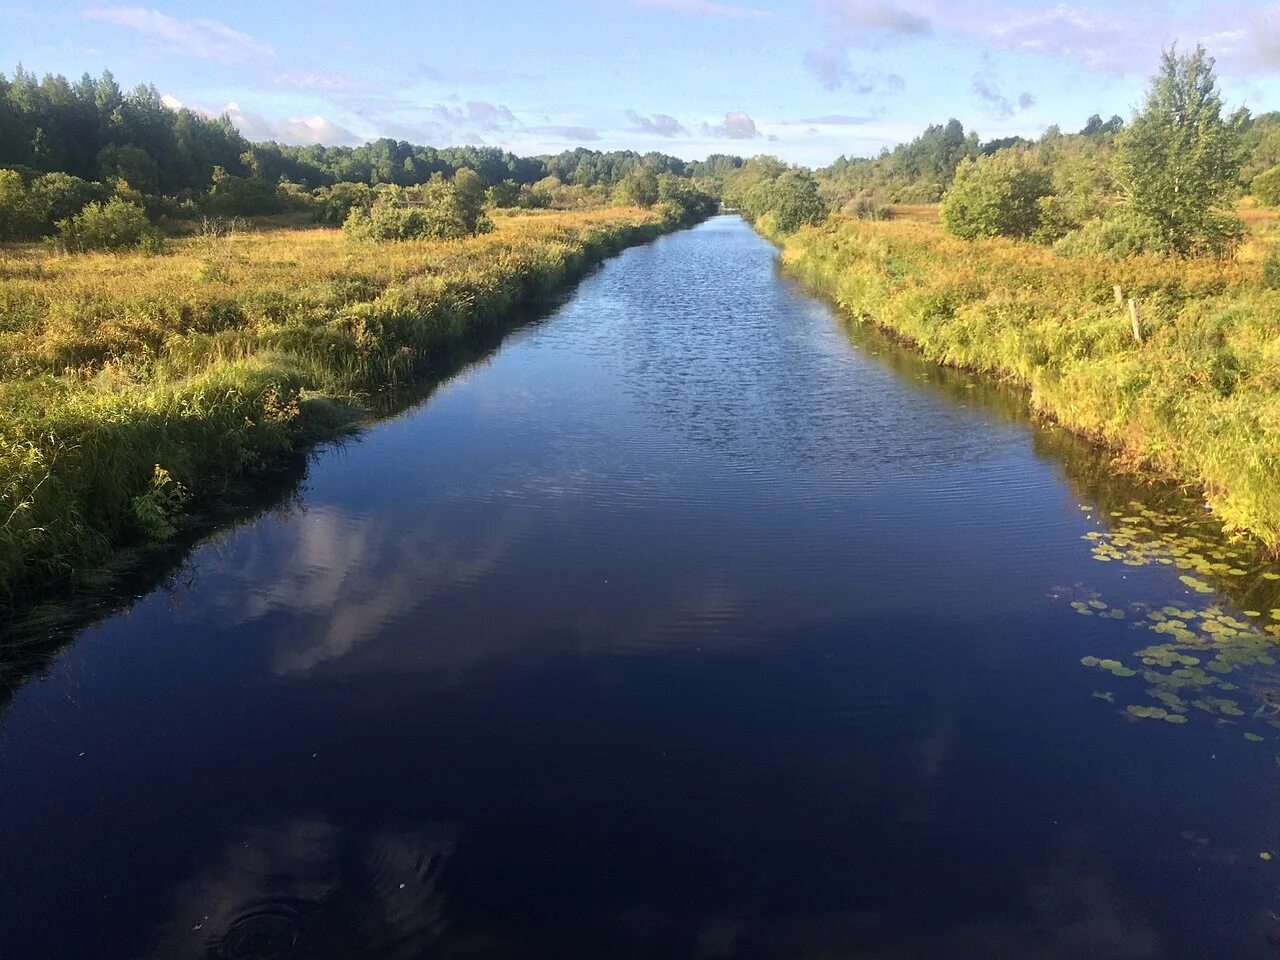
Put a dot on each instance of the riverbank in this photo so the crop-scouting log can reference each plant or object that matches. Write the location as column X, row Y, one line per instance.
column 1198, row 399
column 133, row 385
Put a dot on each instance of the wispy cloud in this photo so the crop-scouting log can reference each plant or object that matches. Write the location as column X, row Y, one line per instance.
column 1094, row 40
column 734, row 126
column 480, row 114
column 473, row 76
column 839, row 120
column 568, row 132
column 833, row 70
column 659, row 124
column 200, row 37
column 322, row 82
column 709, row 8
column 868, row 22
column 988, row 90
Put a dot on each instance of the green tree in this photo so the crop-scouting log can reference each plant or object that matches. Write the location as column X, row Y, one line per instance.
column 638, row 188
column 999, row 195
column 17, row 219
column 794, row 201
column 468, row 191
column 1266, row 187
column 1180, row 159
column 114, row 225
column 504, row 193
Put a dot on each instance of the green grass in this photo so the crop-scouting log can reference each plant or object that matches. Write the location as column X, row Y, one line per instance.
column 130, row 384
column 1198, row 401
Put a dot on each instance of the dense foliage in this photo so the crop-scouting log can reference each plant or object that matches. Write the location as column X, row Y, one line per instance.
column 63, row 145
column 997, row 195
column 93, row 130
column 440, row 209
column 777, row 198
column 1180, row 159
column 114, row 225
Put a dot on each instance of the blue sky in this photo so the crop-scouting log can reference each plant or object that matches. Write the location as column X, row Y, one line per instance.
column 806, row 80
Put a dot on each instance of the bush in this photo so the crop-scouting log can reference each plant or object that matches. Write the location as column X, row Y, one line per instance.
column 995, row 196
column 294, row 196
column 503, row 194
column 232, row 196
column 1266, row 187
column 17, row 218
column 114, row 225
column 867, row 208
column 337, row 202
column 57, row 196
column 1123, row 232
column 639, row 188
column 688, row 201
column 789, row 201
column 1271, row 269
column 437, row 210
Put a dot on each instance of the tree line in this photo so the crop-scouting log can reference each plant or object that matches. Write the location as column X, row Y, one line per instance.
column 67, row 145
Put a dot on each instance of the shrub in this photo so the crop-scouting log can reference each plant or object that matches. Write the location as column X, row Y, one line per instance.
column 114, row 225
column 17, row 218
column 503, row 194
column 1271, row 269
column 997, row 195
column 639, row 188
column 437, row 210
column 1123, row 232
column 1266, row 187
column 57, row 196
column 790, row 200
column 294, row 196
column 688, row 201
column 337, row 202
column 232, row 196
column 867, row 208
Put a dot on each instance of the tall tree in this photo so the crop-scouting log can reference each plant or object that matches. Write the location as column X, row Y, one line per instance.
column 1180, row 159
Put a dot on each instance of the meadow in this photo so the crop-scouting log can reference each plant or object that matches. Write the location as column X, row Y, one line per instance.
column 133, row 383
column 1195, row 400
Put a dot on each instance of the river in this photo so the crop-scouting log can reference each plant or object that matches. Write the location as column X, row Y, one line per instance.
column 691, row 622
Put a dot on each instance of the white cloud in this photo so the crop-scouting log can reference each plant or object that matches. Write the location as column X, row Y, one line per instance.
column 660, row 124
column 256, row 127
column 735, row 126
column 710, row 8
column 200, row 37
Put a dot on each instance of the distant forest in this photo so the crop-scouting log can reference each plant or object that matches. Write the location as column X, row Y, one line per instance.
column 94, row 130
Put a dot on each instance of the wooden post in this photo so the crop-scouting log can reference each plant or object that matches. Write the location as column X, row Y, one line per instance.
column 1135, row 318
column 1119, row 295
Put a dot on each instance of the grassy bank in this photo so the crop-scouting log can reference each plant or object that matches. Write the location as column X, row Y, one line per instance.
column 1198, row 400
column 130, row 384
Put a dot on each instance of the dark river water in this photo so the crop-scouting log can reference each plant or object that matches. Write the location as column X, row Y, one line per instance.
column 689, row 623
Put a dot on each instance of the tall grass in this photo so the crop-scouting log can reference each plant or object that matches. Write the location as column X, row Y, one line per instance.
column 130, row 383
column 1198, row 400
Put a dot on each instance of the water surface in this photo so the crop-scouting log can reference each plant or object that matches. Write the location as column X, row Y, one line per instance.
column 690, row 624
